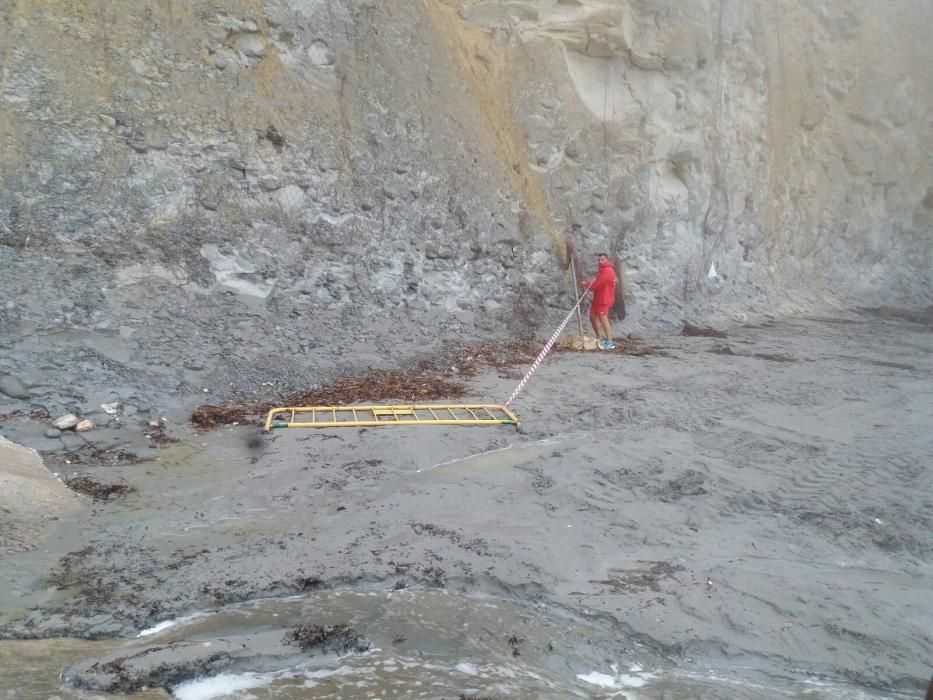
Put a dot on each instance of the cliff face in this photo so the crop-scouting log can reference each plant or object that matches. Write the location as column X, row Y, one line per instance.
column 200, row 183
column 786, row 145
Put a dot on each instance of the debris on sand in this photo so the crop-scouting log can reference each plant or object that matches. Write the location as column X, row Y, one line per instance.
column 157, row 436
column 771, row 357
column 427, row 380
column 381, row 385
column 211, row 416
column 515, row 642
column 340, row 639
column 38, row 414
column 640, row 579
column 99, row 490
column 698, row 331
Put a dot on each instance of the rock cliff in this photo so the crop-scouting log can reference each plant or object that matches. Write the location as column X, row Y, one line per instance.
column 209, row 192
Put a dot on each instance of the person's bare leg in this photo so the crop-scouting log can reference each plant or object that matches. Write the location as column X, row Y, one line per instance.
column 604, row 319
column 594, row 321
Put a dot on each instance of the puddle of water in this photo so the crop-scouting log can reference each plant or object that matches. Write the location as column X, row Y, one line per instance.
column 426, row 644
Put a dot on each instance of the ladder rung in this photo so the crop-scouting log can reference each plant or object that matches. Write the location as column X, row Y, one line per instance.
column 366, row 416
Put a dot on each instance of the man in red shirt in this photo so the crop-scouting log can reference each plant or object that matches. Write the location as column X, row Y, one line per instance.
column 603, row 287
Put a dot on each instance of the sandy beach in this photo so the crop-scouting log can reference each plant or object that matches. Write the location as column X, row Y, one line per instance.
column 758, row 503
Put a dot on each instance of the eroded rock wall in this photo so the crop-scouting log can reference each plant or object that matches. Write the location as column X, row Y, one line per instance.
column 192, row 187
column 786, row 145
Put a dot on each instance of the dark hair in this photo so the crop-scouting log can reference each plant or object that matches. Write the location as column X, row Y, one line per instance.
column 602, row 255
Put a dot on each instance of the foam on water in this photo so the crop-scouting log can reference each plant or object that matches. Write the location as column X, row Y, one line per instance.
column 222, row 686
column 636, row 678
column 167, row 624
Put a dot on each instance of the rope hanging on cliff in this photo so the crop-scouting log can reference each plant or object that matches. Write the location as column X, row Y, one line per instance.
column 546, row 349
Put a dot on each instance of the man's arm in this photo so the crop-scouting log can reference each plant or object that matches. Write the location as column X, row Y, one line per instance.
column 602, row 279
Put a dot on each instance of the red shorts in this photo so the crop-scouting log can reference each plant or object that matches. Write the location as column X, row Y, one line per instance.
column 600, row 309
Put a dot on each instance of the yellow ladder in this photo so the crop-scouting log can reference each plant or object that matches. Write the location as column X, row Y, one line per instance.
column 372, row 416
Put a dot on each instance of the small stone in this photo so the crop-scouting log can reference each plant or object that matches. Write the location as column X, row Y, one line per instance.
column 13, row 387
column 155, row 424
column 66, row 422
column 250, row 45
column 321, row 54
column 84, row 426
column 220, row 62
column 111, row 408
column 270, row 183
column 53, row 433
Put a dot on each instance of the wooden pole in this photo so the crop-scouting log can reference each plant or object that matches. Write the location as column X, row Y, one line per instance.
column 576, row 288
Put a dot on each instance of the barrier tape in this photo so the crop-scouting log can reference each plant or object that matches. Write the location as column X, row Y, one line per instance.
column 545, row 350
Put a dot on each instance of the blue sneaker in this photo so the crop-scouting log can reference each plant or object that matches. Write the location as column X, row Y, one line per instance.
column 607, row 345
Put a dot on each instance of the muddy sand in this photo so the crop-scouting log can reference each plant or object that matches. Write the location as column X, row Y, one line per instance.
column 756, row 506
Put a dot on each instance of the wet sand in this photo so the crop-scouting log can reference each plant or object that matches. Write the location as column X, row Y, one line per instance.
column 758, row 504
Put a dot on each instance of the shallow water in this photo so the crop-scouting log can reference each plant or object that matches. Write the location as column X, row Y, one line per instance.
column 426, row 644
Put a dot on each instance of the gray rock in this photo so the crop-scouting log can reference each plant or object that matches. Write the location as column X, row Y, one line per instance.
column 13, row 387
column 250, row 45
column 111, row 438
column 129, row 670
column 321, row 53
column 53, row 433
column 66, row 422
column 270, row 183
column 467, row 318
column 72, row 441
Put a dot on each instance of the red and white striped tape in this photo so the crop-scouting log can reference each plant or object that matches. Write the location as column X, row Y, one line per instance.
column 545, row 350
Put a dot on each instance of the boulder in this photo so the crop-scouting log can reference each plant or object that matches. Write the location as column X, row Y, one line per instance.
column 13, row 387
